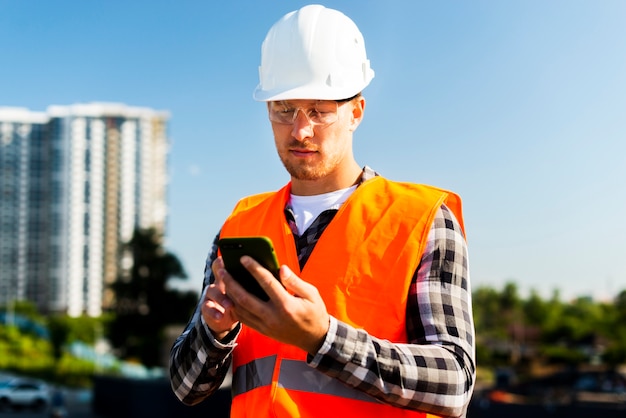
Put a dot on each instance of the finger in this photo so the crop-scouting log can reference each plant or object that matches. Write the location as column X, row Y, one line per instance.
column 217, row 296
column 223, row 277
column 218, row 319
column 294, row 284
column 216, row 268
column 227, row 285
column 217, row 310
column 213, row 309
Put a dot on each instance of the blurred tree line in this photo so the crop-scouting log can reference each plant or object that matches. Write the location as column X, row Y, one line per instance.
column 36, row 345
column 535, row 332
column 143, row 305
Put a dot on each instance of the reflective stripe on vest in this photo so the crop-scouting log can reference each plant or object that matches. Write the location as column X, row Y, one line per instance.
column 294, row 375
column 253, row 375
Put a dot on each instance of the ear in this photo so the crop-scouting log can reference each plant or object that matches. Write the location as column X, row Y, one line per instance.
column 358, row 108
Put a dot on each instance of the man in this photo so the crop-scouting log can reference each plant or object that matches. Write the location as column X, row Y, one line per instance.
column 373, row 317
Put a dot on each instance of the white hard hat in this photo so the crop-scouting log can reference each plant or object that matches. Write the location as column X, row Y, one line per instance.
column 313, row 53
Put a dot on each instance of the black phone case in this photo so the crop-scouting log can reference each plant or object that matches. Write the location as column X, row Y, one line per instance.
column 259, row 248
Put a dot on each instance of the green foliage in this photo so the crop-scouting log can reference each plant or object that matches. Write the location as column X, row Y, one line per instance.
column 620, row 307
column 23, row 351
column 144, row 305
column 59, row 333
column 43, row 356
column 31, row 355
column 74, row 372
column 536, row 310
column 580, row 321
column 615, row 355
column 27, row 309
column 533, row 330
column 64, row 329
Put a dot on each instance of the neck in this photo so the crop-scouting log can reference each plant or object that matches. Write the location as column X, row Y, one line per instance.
column 328, row 183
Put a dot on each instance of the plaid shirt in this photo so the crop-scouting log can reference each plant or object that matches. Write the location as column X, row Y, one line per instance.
column 434, row 372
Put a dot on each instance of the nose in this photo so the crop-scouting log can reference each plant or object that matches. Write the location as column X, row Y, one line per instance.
column 302, row 126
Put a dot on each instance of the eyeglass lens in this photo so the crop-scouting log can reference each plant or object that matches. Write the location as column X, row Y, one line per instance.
column 319, row 113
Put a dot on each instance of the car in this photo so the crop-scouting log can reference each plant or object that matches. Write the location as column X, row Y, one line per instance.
column 18, row 393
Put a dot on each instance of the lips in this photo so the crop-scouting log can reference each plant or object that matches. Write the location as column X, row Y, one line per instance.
column 300, row 152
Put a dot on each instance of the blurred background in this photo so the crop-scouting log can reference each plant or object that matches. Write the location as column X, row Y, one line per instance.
column 128, row 132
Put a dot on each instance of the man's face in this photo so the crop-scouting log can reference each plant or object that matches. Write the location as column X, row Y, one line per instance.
column 311, row 151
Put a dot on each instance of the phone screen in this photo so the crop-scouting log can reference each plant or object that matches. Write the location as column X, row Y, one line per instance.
column 260, row 248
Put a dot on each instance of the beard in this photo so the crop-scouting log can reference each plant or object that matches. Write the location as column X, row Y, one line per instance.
column 304, row 169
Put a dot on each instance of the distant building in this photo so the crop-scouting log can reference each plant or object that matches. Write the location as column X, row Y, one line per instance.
column 75, row 181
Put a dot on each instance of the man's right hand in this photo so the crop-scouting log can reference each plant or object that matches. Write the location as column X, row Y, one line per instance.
column 217, row 308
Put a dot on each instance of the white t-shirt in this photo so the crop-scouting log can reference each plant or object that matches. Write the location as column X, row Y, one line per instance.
column 307, row 208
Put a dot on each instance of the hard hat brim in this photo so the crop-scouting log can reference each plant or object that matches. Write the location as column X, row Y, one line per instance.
column 308, row 92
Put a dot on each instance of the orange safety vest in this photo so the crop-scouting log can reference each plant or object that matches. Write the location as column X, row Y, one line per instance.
column 362, row 266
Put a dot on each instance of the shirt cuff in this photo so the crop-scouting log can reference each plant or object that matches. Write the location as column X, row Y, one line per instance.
column 327, row 345
column 229, row 341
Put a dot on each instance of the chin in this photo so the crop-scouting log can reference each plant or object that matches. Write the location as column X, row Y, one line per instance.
column 305, row 173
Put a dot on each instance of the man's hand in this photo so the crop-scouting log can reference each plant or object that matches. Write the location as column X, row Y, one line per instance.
column 217, row 309
column 295, row 313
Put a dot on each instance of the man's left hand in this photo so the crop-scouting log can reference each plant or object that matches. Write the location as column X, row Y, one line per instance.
column 295, row 313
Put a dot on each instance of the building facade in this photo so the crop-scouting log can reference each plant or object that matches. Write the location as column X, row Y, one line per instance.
column 75, row 182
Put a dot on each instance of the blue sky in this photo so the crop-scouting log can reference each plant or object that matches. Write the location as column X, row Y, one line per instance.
column 519, row 106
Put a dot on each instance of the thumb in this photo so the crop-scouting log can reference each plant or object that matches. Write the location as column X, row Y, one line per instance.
column 293, row 283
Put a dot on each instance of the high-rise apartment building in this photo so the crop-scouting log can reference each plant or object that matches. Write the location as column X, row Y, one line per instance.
column 75, row 182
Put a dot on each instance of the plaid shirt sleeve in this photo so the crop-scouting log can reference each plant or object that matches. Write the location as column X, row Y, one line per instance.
column 198, row 362
column 435, row 371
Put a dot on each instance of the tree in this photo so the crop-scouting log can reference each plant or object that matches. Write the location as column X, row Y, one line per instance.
column 535, row 309
column 59, row 334
column 143, row 303
column 616, row 352
column 64, row 329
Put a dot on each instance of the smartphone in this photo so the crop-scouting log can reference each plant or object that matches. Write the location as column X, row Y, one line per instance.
column 260, row 248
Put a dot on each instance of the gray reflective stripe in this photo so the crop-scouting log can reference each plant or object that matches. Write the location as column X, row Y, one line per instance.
column 297, row 375
column 255, row 374
column 294, row 375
